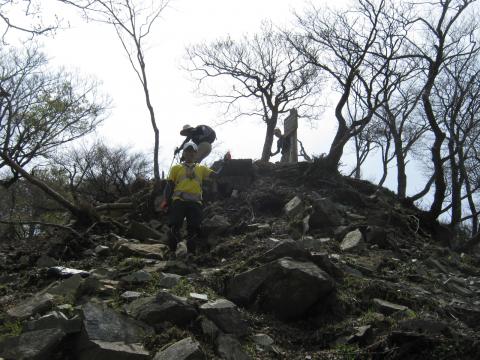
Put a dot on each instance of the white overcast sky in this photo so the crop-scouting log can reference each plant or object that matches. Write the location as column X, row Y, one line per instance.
column 93, row 49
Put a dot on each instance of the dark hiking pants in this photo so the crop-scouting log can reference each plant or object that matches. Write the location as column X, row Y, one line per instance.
column 180, row 210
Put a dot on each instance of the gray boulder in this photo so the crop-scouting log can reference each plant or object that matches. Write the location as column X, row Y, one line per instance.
column 38, row 345
column 34, row 305
column 286, row 248
column 229, row 348
column 167, row 280
column 352, row 240
column 107, row 334
column 325, row 213
column 226, row 316
column 153, row 251
column 54, row 320
column 293, row 207
column 217, row 225
column 161, row 308
column 286, row 287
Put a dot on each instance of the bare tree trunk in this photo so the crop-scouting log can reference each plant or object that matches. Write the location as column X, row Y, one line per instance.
column 336, row 149
column 384, row 164
column 468, row 188
column 456, row 185
column 439, row 176
column 401, row 175
column 267, row 146
column 156, row 168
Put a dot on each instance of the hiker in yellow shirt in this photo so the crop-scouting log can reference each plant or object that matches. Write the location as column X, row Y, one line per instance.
column 186, row 180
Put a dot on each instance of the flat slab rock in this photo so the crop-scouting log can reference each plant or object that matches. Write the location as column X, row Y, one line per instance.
column 36, row 304
column 104, row 324
column 153, row 251
column 105, row 350
column 186, row 349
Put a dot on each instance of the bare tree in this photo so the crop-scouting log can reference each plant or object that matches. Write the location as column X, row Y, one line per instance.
column 100, row 173
column 29, row 19
column 364, row 141
column 349, row 46
column 456, row 100
column 39, row 111
column 266, row 78
column 133, row 21
column 448, row 34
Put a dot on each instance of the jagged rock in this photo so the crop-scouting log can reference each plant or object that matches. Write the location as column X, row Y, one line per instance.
column 167, row 280
column 209, row 328
column 322, row 260
column 172, row 266
column 285, row 248
column 388, row 308
column 458, row 289
column 143, row 232
column 37, row 345
column 153, row 251
column 286, row 287
column 263, row 340
column 36, row 304
column 102, row 250
column 313, row 244
column 355, row 217
column 55, row 320
column 352, row 240
column 68, row 288
column 186, row 349
column 130, row 295
column 226, row 316
column 107, row 334
column 104, row 273
column 115, row 350
column 436, row 264
column 46, row 261
column 325, row 213
column 469, row 314
column 229, row 348
column 162, row 307
column 293, row 207
column 216, row 225
column 363, row 333
column 181, row 251
column 136, row 278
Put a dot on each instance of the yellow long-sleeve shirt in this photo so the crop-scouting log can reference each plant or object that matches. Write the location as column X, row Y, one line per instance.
column 188, row 179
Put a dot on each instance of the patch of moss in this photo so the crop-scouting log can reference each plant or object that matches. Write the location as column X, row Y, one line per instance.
column 131, row 264
column 153, row 286
column 347, row 351
column 185, row 287
column 158, row 342
column 10, row 329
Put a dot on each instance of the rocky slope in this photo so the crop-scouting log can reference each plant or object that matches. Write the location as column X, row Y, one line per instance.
column 299, row 265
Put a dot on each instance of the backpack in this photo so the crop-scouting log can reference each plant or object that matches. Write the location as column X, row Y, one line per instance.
column 208, row 135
